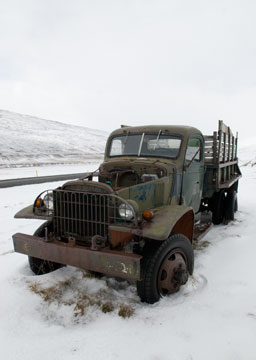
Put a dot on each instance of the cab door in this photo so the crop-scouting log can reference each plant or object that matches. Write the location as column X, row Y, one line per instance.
column 193, row 174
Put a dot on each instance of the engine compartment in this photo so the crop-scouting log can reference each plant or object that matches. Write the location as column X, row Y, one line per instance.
column 118, row 175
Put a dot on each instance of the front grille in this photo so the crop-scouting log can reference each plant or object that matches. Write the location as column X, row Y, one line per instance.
column 83, row 215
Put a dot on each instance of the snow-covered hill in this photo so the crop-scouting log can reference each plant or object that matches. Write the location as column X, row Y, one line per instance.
column 247, row 153
column 28, row 140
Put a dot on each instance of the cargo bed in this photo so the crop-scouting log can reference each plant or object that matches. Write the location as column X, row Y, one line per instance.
column 221, row 162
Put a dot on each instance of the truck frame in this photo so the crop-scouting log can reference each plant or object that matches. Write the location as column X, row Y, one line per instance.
column 159, row 189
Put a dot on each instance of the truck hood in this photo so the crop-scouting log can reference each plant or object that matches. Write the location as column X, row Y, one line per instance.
column 151, row 194
column 149, row 165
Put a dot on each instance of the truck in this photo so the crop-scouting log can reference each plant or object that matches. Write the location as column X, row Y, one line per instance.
column 137, row 217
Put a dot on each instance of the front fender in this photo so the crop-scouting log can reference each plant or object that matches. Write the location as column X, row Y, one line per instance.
column 28, row 213
column 167, row 219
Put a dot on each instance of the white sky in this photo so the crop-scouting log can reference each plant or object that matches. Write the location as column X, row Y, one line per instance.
column 102, row 63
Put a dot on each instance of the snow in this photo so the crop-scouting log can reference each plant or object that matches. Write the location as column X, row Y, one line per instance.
column 61, row 315
column 31, row 141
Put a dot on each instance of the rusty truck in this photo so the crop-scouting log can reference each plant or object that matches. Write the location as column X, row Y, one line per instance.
column 159, row 189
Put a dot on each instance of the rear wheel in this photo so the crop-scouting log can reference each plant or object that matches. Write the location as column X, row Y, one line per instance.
column 231, row 205
column 41, row 266
column 218, row 205
column 166, row 269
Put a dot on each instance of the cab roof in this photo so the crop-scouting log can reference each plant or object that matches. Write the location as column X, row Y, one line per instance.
column 182, row 130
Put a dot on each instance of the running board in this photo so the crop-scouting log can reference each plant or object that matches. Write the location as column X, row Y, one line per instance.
column 201, row 229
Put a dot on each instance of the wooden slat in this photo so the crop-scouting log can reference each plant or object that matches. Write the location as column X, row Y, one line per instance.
column 221, row 148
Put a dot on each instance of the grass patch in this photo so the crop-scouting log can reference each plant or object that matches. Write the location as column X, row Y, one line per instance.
column 200, row 245
column 73, row 294
column 107, row 307
column 125, row 311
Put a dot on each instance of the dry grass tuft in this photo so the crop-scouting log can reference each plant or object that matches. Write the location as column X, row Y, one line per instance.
column 51, row 293
column 201, row 245
column 68, row 293
column 125, row 311
column 107, row 307
column 83, row 303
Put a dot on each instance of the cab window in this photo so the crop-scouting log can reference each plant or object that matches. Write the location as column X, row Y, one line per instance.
column 193, row 150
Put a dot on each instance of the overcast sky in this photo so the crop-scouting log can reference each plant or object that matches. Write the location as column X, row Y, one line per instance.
column 102, row 63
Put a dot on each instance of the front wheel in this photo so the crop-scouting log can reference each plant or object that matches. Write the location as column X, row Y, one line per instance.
column 41, row 266
column 165, row 270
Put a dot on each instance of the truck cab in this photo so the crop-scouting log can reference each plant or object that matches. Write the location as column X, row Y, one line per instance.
column 137, row 155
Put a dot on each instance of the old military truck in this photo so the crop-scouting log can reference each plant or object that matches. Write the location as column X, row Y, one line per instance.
column 137, row 216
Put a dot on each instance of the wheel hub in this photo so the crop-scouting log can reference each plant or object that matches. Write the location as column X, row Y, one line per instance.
column 181, row 277
column 173, row 273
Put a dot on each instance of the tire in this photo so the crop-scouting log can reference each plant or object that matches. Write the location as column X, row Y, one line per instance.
column 41, row 266
column 236, row 204
column 166, row 269
column 231, row 205
column 218, row 206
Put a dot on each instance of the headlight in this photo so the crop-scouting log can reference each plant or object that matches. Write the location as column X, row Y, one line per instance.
column 43, row 204
column 48, row 201
column 126, row 212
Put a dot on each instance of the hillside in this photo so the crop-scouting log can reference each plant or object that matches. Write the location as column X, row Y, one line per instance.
column 247, row 153
column 28, row 140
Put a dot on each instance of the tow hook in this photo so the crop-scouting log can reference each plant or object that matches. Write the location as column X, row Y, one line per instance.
column 98, row 242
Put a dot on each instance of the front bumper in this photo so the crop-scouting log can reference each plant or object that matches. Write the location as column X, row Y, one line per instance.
column 109, row 262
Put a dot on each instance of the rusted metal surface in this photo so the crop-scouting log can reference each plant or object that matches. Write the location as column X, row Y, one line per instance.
column 185, row 225
column 118, row 238
column 164, row 220
column 109, row 262
column 98, row 242
column 163, row 223
column 84, row 215
column 201, row 230
column 88, row 186
column 173, row 273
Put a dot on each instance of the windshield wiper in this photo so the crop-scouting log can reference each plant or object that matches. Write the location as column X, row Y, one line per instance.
column 157, row 139
column 141, row 142
column 125, row 140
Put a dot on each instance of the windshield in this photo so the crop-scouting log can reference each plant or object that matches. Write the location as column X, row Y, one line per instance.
column 146, row 145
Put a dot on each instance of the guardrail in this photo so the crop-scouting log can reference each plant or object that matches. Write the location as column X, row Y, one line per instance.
column 39, row 179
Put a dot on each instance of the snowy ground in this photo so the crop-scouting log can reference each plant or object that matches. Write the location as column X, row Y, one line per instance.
column 69, row 315
column 31, row 171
